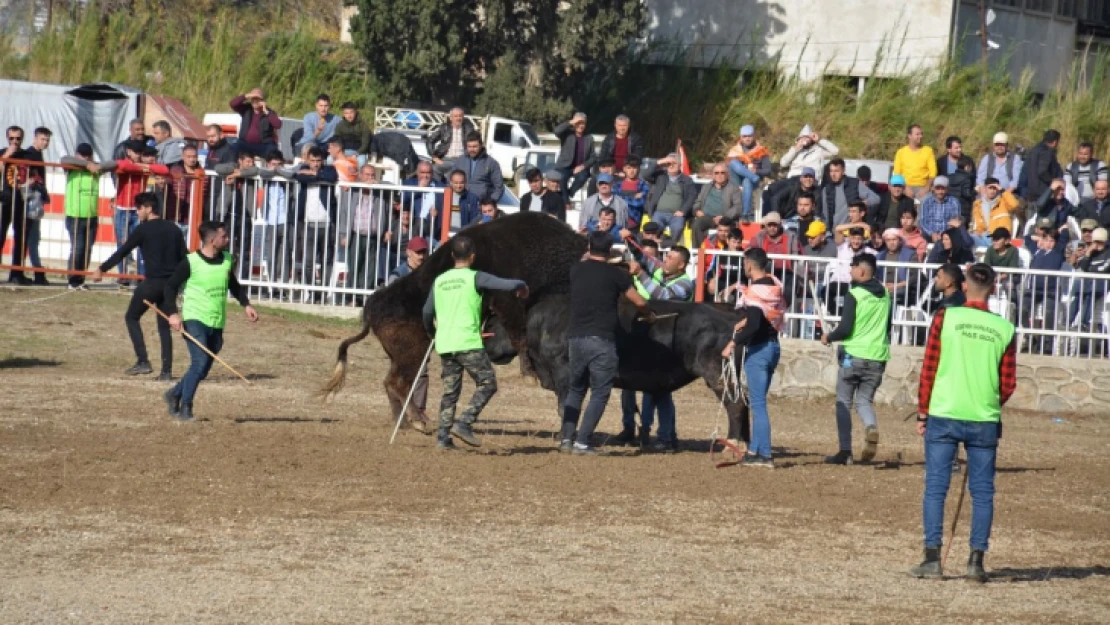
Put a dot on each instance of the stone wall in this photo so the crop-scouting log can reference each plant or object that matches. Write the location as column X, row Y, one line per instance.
column 1048, row 384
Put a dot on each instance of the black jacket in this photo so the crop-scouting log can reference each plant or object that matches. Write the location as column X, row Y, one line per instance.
column 782, row 196
column 397, row 147
column 222, row 152
column 325, row 179
column 1088, row 209
column 1040, row 168
column 566, row 153
column 826, row 197
column 439, row 140
column 961, row 185
column 609, row 144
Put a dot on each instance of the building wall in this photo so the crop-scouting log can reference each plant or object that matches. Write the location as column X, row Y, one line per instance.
column 810, row 38
column 345, row 15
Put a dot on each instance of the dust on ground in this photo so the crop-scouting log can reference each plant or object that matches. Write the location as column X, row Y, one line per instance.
column 276, row 508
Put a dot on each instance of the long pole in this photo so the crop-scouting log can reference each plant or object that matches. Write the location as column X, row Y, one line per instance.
column 199, row 344
column 955, row 520
column 69, row 272
column 412, row 388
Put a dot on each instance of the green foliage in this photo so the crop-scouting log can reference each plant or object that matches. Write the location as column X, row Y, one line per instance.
column 506, row 93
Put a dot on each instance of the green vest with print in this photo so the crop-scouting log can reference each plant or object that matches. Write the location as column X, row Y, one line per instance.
column 870, row 339
column 972, row 343
column 206, row 291
column 82, row 194
column 458, row 311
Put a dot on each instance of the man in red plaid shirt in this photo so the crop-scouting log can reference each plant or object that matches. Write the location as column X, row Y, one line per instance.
column 971, row 363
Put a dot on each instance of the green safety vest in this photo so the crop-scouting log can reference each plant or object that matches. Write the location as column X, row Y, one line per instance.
column 658, row 277
column 458, row 311
column 870, row 339
column 82, row 194
column 967, row 383
column 206, row 291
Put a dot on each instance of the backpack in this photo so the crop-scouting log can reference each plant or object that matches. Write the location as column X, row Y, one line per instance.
column 35, row 207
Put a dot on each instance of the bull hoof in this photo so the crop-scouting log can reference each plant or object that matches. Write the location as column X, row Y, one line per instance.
column 421, row 425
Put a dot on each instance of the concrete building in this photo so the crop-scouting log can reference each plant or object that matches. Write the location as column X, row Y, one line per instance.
column 880, row 38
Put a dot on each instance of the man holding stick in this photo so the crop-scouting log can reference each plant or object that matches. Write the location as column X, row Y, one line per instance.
column 969, row 372
column 163, row 247
column 453, row 315
column 208, row 275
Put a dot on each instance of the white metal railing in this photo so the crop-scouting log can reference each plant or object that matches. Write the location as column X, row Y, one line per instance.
column 400, row 118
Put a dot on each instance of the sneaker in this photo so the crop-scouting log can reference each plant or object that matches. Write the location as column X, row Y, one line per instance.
column 173, row 402
column 871, row 444
column 566, row 447
column 975, row 571
column 78, row 287
column 930, row 567
column 463, row 432
column 586, row 450
column 626, row 437
column 755, row 460
column 140, row 368
column 184, row 413
column 841, row 457
column 664, row 447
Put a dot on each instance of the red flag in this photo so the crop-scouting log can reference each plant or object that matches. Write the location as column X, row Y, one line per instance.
column 682, row 158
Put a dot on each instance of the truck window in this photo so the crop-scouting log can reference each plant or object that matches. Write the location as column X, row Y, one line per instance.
column 503, row 133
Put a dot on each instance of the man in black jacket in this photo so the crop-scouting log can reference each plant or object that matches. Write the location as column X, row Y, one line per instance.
column 619, row 145
column 258, row 125
column 219, row 150
column 1098, row 207
column 576, row 156
column 447, row 142
column 782, row 195
column 838, row 191
column 1041, row 166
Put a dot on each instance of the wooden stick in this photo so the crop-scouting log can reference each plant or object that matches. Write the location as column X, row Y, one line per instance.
column 199, row 344
column 412, row 388
column 955, row 519
column 70, row 272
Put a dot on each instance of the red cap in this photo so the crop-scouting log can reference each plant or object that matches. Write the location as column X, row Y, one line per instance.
column 417, row 245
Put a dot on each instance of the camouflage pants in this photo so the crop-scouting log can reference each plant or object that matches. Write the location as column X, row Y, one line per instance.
column 477, row 364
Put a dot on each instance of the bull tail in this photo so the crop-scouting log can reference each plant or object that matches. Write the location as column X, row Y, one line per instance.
column 339, row 376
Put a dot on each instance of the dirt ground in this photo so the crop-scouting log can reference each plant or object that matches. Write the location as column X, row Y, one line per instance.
column 274, row 508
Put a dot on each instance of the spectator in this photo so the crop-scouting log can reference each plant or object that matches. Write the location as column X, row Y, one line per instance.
column 240, row 200
column 133, row 177
column 396, row 238
column 818, row 245
column 388, row 148
column 1041, row 167
column 718, row 239
column 803, row 216
column 554, row 203
column 1053, row 204
column 1001, row 253
column 169, row 148
column 809, row 151
column 219, row 150
column 857, row 219
column 841, row 276
column 186, row 178
column 447, row 143
column 874, row 219
column 463, row 200
column 634, row 191
column 136, row 131
column 536, row 190
column 726, row 271
column 1085, row 171
column 1098, row 206
column 605, row 198
column 838, row 191
column 279, row 217
column 621, row 145
column 1048, row 255
column 948, row 288
column 489, row 210
column 916, row 163
column 428, row 205
column 717, row 200
column 950, row 162
column 354, row 134
column 258, row 125
column 897, row 279
column 994, row 210
column 749, row 162
column 576, row 156
column 952, row 248
column 912, row 234
column 672, row 197
column 653, row 232
column 937, row 209
column 345, row 167
column 782, row 195
column 483, row 174
column 606, row 222
column 961, row 185
column 82, row 197
column 876, row 242
column 416, row 252
column 603, row 167
column 775, row 240
column 369, row 210
column 34, row 200
column 319, row 125
column 1002, row 165
column 1075, row 250
column 1088, row 293
column 317, row 209
column 895, row 202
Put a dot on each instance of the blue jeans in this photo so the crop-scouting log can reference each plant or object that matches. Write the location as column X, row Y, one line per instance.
column 34, row 235
column 759, row 365
column 746, row 180
column 1083, row 293
column 664, row 403
column 942, row 438
column 200, row 363
column 628, row 411
column 82, row 237
column 668, row 220
column 124, row 224
column 572, row 182
column 593, row 365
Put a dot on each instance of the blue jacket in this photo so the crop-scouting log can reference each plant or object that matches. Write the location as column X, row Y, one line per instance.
column 469, row 210
column 483, row 175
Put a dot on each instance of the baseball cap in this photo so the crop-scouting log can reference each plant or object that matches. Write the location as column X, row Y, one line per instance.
column 816, row 229
column 85, row 150
column 1088, row 224
column 1046, row 222
column 417, row 244
column 1000, row 233
column 940, row 181
column 605, row 178
column 772, row 218
column 1099, row 234
column 1001, row 137
column 554, row 174
column 991, row 181
column 747, row 130
column 809, row 171
column 897, row 180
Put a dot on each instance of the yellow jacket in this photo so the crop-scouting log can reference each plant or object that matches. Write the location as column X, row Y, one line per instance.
column 1001, row 215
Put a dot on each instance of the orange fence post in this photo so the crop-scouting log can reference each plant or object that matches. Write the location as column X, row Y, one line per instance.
column 445, row 234
column 699, row 276
column 196, row 212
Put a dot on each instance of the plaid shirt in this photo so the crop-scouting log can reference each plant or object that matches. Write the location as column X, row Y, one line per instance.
column 1007, row 369
column 935, row 215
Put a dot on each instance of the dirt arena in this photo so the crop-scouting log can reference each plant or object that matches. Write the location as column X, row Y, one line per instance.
column 274, row 508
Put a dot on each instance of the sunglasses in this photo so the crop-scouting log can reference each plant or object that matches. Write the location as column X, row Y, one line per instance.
column 719, row 173
column 15, row 138
column 1086, row 230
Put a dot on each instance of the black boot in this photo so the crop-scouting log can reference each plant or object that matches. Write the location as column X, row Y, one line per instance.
column 40, row 279
column 645, row 438
column 975, row 570
column 626, row 437
column 930, row 568
column 184, row 413
column 463, row 432
column 173, row 403
column 165, row 376
column 841, row 457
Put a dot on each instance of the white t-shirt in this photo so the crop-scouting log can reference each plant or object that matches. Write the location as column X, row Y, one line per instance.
column 314, row 211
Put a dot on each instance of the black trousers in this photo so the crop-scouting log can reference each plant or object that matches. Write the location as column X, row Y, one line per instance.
column 13, row 213
column 153, row 291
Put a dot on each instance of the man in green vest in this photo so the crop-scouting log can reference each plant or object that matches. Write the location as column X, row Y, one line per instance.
column 208, row 274
column 82, row 198
column 969, row 372
column 864, row 332
column 453, row 315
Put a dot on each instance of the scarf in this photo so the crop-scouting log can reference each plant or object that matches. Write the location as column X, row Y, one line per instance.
column 768, row 297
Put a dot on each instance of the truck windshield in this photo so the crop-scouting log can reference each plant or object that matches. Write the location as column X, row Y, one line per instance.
column 530, row 132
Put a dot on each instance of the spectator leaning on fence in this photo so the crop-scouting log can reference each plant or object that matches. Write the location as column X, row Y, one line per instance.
column 278, row 217
column 916, row 163
column 34, row 201
column 169, row 147
column 82, row 199
column 897, row 279
column 748, row 163
column 318, row 210
column 240, row 198
column 186, row 178
column 1001, row 164
column 809, row 151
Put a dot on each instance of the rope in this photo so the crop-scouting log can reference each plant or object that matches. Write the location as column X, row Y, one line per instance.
column 45, row 299
column 734, row 387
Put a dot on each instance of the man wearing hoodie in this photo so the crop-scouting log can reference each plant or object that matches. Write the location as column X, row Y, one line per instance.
column 809, row 150
column 864, row 333
column 483, row 174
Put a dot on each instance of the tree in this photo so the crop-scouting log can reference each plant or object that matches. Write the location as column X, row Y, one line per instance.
column 506, row 91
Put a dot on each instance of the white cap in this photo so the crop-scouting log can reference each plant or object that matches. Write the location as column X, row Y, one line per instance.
column 806, row 131
column 1000, row 137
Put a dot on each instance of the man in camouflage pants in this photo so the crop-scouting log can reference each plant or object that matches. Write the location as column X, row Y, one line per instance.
column 453, row 315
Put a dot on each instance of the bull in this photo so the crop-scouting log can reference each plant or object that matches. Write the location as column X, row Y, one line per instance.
column 528, row 246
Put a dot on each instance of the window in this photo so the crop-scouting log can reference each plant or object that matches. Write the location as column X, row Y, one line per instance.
column 503, row 133
column 1007, row 3
column 1067, row 8
column 1041, row 6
